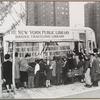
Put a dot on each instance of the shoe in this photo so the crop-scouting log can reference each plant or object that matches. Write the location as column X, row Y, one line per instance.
column 12, row 90
column 89, row 86
column 95, row 85
column 8, row 91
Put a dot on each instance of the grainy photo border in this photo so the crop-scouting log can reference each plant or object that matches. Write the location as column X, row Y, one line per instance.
column 58, row 1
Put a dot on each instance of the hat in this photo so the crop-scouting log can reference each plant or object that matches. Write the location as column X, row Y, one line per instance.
column 98, row 54
column 87, row 57
column 27, row 55
column 91, row 54
column 95, row 50
column 7, row 56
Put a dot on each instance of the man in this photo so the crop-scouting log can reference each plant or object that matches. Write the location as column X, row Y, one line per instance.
column 23, row 70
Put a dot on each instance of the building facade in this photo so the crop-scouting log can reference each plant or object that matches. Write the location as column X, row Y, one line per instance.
column 47, row 13
column 92, row 19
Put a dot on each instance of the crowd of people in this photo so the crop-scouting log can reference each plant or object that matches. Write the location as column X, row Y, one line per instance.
column 45, row 73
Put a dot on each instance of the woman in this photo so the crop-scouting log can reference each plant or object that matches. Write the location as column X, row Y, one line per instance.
column 17, row 70
column 87, row 71
column 48, row 74
column 80, row 66
column 31, row 75
column 42, row 73
column 23, row 70
column 95, row 70
column 7, row 72
column 36, row 73
column 59, row 70
column 53, row 67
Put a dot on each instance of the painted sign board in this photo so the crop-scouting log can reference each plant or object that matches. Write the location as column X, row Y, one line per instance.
column 44, row 33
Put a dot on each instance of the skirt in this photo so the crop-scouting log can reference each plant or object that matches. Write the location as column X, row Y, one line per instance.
column 9, row 81
column 23, row 76
column 88, row 77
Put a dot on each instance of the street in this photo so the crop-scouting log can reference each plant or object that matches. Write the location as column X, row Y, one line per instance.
column 90, row 94
column 76, row 90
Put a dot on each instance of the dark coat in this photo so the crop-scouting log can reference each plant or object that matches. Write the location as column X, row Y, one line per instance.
column 58, row 67
column 86, row 65
column 95, row 70
column 40, row 78
column 48, row 72
column 7, row 71
column 71, row 64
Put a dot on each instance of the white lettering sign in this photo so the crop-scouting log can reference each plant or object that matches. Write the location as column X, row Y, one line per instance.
column 42, row 34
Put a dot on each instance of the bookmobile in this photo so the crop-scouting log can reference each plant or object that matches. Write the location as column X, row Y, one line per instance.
column 47, row 41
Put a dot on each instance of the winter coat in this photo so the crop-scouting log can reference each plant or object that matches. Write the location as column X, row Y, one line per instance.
column 87, row 73
column 7, row 71
column 37, row 68
column 59, row 67
column 17, row 68
column 53, row 65
column 24, row 65
column 71, row 63
column 80, row 67
column 86, row 65
column 48, row 72
column 30, row 77
column 95, row 70
column 88, row 77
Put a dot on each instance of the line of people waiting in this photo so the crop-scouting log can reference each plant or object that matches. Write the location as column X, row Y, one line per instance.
column 45, row 73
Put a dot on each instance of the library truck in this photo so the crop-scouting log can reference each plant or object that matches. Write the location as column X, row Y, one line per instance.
column 48, row 41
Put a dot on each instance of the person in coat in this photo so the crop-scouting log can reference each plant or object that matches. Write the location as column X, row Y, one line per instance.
column 36, row 73
column 53, row 67
column 87, row 69
column 64, row 71
column 31, row 74
column 7, row 72
column 42, row 74
column 48, row 74
column 23, row 70
column 95, row 70
column 80, row 66
column 17, row 70
column 70, row 66
column 59, row 65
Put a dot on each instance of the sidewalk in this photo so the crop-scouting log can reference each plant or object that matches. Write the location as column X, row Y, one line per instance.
column 51, row 92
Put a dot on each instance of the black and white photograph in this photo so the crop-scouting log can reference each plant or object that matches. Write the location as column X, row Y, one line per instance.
column 49, row 49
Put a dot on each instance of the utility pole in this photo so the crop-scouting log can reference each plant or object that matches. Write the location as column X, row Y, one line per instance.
column 1, row 51
column 0, row 77
column 13, row 67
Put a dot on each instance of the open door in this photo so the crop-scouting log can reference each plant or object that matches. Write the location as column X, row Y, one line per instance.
column 76, row 47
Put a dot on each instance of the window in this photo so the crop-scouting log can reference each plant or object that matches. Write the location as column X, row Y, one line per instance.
column 43, row 15
column 66, row 8
column 66, row 13
column 93, row 45
column 82, row 36
column 62, row 8
column 57, row 7
column 51, row 12
column 62, row 13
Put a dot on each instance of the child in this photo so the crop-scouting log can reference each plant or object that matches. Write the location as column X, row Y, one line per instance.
column 7, row 72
